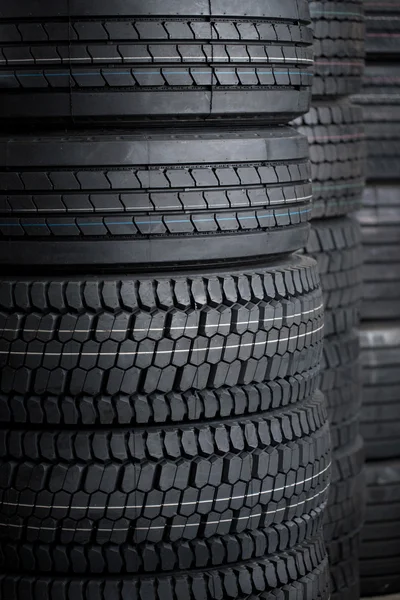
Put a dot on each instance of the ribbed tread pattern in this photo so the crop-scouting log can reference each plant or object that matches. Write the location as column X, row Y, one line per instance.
column 335, row 132
column 154, row 490
column 380, row 548
column 338, row 47
column 381, row 109
column 383, row 29
column 153, row 198
column 158, row 408
column 300, row 574
column 380, row 223
column 336, row 246
column 160, row 333
column 380, row 424
column 345, row 511
column 340, row 382
column 345, row 569
column 137, row 64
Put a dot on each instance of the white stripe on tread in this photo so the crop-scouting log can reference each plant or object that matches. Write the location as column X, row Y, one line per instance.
column 158, row 527
column 169, row 505
column 158, row 352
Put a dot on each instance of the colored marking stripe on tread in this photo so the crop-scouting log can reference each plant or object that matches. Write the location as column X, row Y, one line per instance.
column 322, row 13
column 158, row 527
column 267, row 203
column 99, row 223
column 247, row 59
column 160, row 72
column 169, row 504
column 350, row 136
column 340, row 63
column 153, row 329
column 174, row 351
column 338, row 186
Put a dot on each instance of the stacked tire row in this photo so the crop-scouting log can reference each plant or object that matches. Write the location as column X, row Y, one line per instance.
column 380, row 333
column 162, row 432
column 335, row 130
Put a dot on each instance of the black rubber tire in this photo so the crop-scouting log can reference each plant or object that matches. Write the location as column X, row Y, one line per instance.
column 123, row 501
column 159, row 333
column 383, row 29
column 380, row 223
column 380, row 548
column 157, row 408
column 338, row 47
column 190, row 60
column 336, row 246
column 345, row 511
column 380, row 424
column 301, row 574
column 153, row 199
column 345, row 568
column 380, row 100
column 344, row 518
column 335, row 131
column 341, row 383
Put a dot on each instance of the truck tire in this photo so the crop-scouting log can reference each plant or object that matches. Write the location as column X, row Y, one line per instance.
column 188, row 61
column 160, row 198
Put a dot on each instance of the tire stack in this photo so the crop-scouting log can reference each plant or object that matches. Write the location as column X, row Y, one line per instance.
column 334, row 127
column 380, row 333
column 162, row 433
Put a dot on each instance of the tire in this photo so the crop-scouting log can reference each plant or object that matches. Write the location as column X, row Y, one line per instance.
column 135, row 501
column 336, row 246
column 302, row 574
column 380, row 223
column 381, row 109
column 338, row 47
column 380, row 423
column 335, row 132
column 170, row 333
column 344, row 518
column 345, row 510
column 226, row 61
column 157, row 408
column 345, row 569
column 380, row 548
column 153, row 199
column 383, row 29
column 341, row 382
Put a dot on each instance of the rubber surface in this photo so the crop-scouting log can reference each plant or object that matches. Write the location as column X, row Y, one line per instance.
column 143, row 199
column 213, row 59
column 380, row 100
column 335, row 131
column 302, row 574
column 380, row 223
column 380, row 550
column 174, row 407
column 345, row 569
column 344, row 518
column 340, row 382
column 159, row 499
column 336, row 246
column 338, row 47
column 345, row 510
column 160, row 333
column 383, row 29
column 380, row 423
